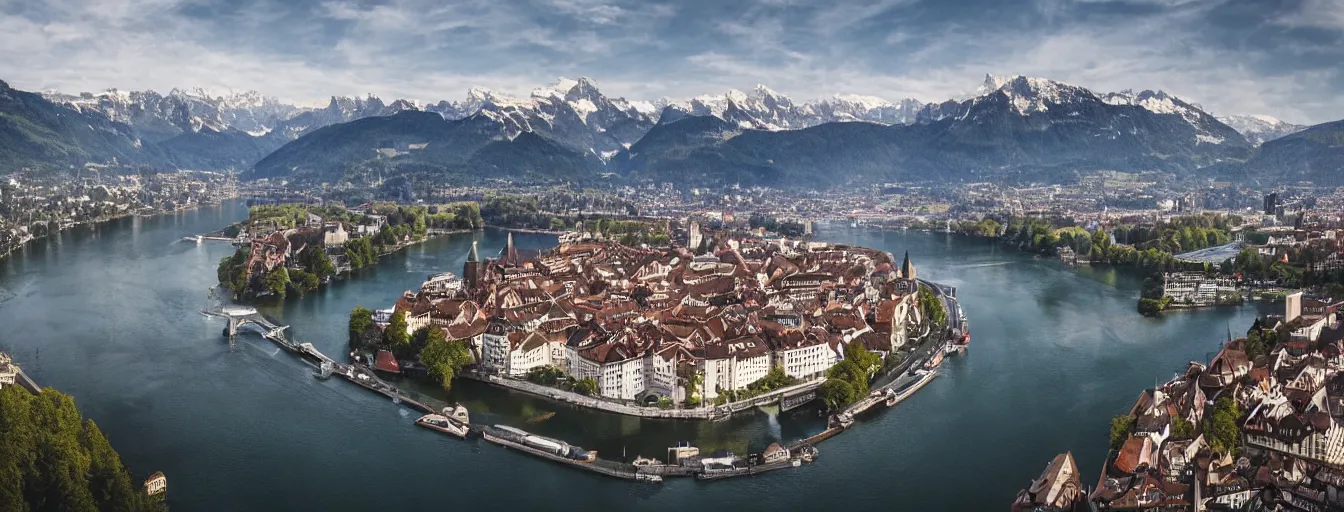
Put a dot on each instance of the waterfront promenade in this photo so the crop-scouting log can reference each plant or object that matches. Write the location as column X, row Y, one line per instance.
column 698, row 413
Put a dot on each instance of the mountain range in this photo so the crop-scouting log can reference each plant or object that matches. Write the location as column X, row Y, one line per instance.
column 1014, row 128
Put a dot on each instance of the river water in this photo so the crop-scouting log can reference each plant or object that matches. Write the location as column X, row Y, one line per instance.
column 110, row 315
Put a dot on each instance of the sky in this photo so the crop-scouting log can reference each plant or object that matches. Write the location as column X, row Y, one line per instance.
column 1275, row 57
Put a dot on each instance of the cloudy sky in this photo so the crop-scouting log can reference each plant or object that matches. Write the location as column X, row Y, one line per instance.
column 1276, row 57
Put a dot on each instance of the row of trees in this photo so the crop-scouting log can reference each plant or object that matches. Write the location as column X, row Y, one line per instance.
column 52, row 459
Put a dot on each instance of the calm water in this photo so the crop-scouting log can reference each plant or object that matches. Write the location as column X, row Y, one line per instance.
column 110, row 315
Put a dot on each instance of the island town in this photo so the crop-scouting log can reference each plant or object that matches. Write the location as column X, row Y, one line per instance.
column 676, row 322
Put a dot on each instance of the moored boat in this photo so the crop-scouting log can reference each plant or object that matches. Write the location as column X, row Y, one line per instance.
column 443, row 424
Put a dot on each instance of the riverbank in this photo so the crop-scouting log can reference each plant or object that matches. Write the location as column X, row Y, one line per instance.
column 6, row 250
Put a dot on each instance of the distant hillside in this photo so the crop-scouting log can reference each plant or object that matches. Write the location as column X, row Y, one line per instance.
column 1315, row 154
column 37, row 133
column 420, row 142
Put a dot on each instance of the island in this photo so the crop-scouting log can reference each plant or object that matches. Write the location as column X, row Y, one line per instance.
column 666, row 332
column 688, row 324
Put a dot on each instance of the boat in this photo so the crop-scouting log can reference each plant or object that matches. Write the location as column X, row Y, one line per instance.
column 458, row 413
column 443, row 424
column 935, row 361
column 647, row 477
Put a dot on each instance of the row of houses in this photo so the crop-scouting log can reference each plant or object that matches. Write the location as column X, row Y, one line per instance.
column 647, row 323
column 1288, row 451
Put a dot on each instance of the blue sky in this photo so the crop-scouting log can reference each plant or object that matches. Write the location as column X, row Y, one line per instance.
column 1276, row 57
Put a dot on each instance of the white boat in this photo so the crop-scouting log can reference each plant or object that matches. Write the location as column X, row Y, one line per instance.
column 443, row 424
column 646, row 477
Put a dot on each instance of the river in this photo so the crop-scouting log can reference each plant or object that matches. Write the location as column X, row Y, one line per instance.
column 109, row 314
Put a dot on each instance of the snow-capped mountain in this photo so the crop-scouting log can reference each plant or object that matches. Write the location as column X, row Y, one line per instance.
column 572, row 112
column 159, row 117
column 1209, row 130
column 1260, row 129
column 339, row 109
column 765, row 109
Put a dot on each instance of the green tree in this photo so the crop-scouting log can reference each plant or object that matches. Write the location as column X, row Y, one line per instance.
column 277, row 281
column 396, row 335
column 52, row 459
column 361, row 322
column 1221, row 429
column 932, row 308
column 444, row 358
column 836, row 393
column 1182, row 428
column 586, row 386
column 1121, row 427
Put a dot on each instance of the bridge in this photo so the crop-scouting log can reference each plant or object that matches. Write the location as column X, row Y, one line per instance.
column 363, row 376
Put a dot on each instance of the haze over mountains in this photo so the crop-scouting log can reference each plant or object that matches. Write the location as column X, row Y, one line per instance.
column 1016, row 128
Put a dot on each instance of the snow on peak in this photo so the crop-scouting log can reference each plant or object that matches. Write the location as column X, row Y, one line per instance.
column 861, row 101
column 1031, row 94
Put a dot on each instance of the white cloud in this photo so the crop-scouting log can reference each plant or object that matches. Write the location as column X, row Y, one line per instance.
column 430, row 50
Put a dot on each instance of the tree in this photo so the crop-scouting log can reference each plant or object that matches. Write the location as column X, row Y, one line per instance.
column 1221, row 429
column 277, row 281
column 586, row 386
column 396, row 334
column 862, row 358
column 932, row 308
column 444, row 358
column 836, row 393
column 317, row 262
column 1182, row 428
column 302, row 281
column 1121, row 427
column 52, row 459
column 361, row 321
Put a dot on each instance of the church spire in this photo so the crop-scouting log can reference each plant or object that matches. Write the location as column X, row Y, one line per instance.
column 474, row 256
column 907, row 268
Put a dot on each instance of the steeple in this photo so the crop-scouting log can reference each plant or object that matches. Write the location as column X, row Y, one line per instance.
column 907, row 268
column 471, row 270
column 510, row 252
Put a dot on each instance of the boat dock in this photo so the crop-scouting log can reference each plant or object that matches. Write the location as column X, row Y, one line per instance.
column 601, row 466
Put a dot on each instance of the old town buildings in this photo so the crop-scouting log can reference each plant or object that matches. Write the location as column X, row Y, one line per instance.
column 643, row 323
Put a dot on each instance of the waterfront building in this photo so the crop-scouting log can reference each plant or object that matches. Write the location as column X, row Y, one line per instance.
column 806, row 355
column 334, row 235
column 156, row 484
column 8, row 371
column 730, row 365
column 1198, row 288
column 1058, row 488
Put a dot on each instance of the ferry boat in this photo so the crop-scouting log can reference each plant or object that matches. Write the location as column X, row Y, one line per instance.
column 443, row 424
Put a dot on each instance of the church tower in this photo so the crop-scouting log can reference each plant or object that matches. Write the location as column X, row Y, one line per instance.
column 907, row 268
column 472, row 268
